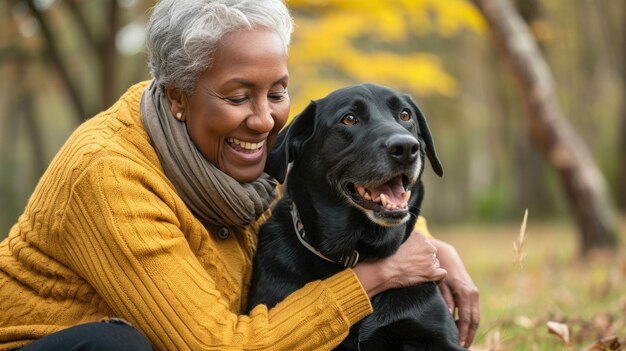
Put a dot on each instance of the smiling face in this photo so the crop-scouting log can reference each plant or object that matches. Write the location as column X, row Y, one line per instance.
column 355, row 156
column 239, row 104
column 379, row 125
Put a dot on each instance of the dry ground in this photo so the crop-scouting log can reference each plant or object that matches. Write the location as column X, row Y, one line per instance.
column 583, row 298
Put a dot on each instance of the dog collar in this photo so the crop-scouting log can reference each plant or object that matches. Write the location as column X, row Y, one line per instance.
column 346, row 261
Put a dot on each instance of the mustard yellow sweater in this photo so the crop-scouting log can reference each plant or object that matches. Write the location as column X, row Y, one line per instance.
column 105, row 235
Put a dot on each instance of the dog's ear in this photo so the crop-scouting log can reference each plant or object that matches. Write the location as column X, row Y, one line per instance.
column 424, row 133
column 290, row 142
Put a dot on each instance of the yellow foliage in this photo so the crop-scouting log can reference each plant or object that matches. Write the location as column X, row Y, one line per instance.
column 311, row 91
column 341, row 42
column 454, row 15
column 419, row 73
column 389, row 16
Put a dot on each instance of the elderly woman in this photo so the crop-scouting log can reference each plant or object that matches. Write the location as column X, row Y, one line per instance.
column 141, row 232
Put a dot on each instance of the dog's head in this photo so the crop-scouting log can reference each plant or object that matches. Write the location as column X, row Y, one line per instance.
column 366, row 142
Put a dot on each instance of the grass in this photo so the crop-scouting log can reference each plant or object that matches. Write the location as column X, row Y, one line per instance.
column 527, row 282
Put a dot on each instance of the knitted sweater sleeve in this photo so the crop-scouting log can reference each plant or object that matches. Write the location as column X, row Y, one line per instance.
column 127, row 243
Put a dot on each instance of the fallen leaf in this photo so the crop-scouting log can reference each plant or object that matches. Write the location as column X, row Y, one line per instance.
column 559, row 329
column 610, row 343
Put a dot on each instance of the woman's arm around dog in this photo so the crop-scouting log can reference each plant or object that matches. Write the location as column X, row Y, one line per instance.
column 412, row 264
column 459, row 292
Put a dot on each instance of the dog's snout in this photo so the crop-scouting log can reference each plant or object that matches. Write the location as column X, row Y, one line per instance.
column 402, row 148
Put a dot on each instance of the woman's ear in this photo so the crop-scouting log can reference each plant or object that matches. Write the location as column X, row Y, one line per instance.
column 178, row 102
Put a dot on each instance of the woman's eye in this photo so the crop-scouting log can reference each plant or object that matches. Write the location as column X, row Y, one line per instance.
column 237, row 99
column 349, row 119
column 405, row 115
column 278, row 96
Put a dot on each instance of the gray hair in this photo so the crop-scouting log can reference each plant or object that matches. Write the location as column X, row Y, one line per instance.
column 182, row 34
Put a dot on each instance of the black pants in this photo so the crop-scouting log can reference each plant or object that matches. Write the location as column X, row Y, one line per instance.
column 96, row 336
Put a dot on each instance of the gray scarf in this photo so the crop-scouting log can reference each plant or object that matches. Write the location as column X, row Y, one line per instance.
column 211, row 195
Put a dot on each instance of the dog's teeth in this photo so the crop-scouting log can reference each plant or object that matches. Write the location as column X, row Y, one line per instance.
column 360, row 190
column 383, row 200
column 367, row 196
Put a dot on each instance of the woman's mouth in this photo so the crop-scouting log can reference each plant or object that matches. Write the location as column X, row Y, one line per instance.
column 244, row 146
column 242, row 160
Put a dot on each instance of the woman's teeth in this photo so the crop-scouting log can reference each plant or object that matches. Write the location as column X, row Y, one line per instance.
column 245, row 145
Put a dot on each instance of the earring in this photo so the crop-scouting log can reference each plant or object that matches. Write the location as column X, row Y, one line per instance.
column 179, row 116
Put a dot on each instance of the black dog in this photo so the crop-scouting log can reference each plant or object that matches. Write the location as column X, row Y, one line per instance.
column 353, row 193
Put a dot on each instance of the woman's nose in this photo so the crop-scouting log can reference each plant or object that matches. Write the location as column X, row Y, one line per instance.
column 261, row 119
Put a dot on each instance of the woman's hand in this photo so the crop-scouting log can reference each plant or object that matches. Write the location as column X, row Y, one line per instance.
column 415, row 262
column 459, row 292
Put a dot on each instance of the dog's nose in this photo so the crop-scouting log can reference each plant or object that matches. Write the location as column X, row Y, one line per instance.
column 402, row 148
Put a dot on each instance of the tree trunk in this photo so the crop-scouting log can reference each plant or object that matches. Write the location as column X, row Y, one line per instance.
column 566, row 152
column 55, row 55
column 108, row 56
column 33, row 132
column 621, row 193
column 532, row 189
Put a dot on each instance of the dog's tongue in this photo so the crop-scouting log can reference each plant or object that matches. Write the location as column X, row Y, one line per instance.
column 393, row 191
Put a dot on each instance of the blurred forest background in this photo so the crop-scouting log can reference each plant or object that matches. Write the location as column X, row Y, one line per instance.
column 63, row 61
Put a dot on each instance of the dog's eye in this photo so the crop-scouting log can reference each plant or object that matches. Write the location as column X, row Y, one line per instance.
column 349, row 119
column 405, row 115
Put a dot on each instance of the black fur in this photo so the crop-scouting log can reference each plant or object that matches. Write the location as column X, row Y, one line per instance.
column 328, row 156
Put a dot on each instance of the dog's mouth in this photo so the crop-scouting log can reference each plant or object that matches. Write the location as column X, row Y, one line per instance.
column 389, row 199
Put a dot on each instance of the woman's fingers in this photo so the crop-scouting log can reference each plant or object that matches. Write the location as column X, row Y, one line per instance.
column 447, row 296
column 438, row 275
column 421, row 259
column 466, row 299
column 415, row 262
